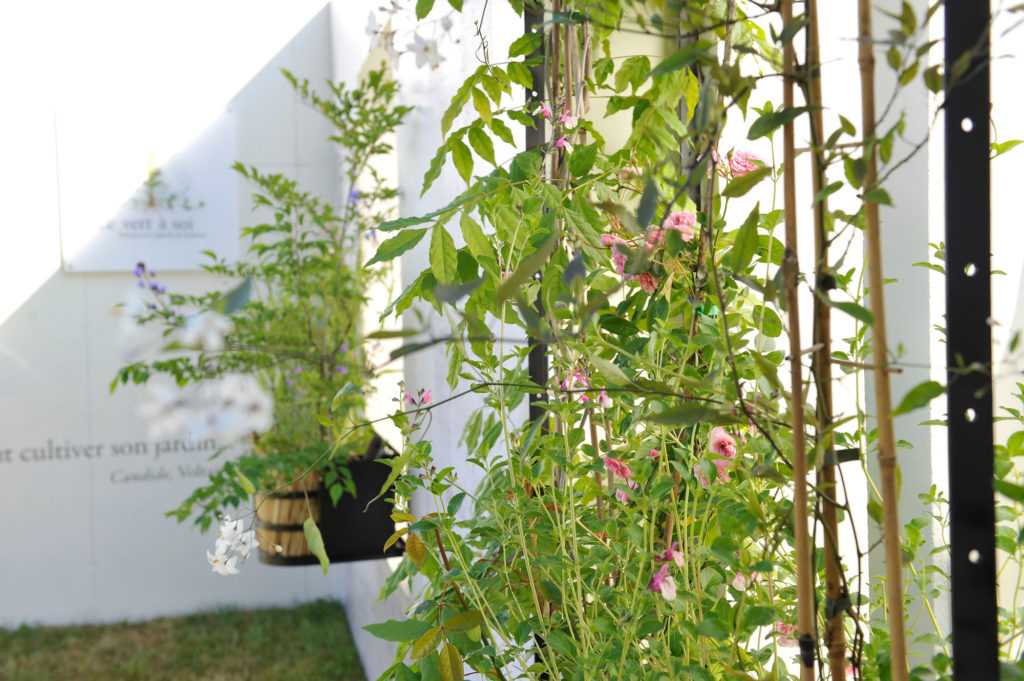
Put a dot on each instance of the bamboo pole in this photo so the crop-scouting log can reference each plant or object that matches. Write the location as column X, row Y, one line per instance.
column 835, row 635
column 791, row 269
column 879, row 350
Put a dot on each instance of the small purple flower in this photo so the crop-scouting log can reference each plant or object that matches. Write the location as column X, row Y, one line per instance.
column 341, row 369
column 142, row 284
column 140, row 269
column 297, row 370
column 344, row 347
column 354, row 196
column 157, row 288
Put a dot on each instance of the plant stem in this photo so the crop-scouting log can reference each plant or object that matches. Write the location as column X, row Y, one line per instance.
column 835, row 635
column 879, row 350
column 804, row 564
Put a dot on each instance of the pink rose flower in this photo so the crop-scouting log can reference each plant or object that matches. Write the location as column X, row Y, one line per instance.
column 654, row 453
column 785, row 634
column 567, row 119
column 721, row 443
column 683, row 221
column 723, row 466
column 672, row 554
column 545, row 111
column 740, row 581
column 655, row 237
column 410, row 399
column 619, row 468
column 663, row 583
column 622, row 496
column 426, row 398
column 619, row 261
column 563, row 144
column 743, row 162
column 647, row 282
column 604, row 400
column 610, row 240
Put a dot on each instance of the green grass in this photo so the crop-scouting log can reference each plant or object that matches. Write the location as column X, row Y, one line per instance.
column 306, row 643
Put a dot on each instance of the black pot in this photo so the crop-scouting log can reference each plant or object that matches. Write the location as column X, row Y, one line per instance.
column 354, row 529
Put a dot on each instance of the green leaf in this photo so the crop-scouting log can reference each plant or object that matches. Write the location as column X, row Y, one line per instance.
column 456, row 5
column 397, row 245
column 758, row 615
column 524, row 45
column 236, row 298
column 427, row 643
column 858, row 312
column 315, row 542
column 482, row 144
column 771, row 121
column 878, row 195
column 527, row 267
column 451, row 663
column 503, row 132
column 648, row 204
column 433, row 170
column 745, row 245
column 444, row 259
column 561, row 643
column 477, row 242
column 582, row 159
column 245, row 482
column 610, row 371
column 455, row 503
column 713, row 628
column 423, row 8
column 828, row 191
column 919, row 396
column 519, row 73
column 463, row 159
column 464, row 621
column 691, row 413
column 398, row 630
column 1000, row 148
column 482, row 105
column 1010, row 490
column 680, row 59
column 744, row 183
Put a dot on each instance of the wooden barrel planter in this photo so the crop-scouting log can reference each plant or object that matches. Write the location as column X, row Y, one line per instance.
column 351, row 530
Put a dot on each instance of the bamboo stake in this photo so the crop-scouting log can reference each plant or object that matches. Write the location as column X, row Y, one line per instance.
column 835, row 635
column 804, row 564
column 879, row 350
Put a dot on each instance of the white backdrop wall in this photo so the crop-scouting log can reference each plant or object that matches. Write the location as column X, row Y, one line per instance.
column 85, row 535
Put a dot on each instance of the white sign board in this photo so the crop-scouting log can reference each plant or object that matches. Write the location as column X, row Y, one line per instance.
column 165, row 215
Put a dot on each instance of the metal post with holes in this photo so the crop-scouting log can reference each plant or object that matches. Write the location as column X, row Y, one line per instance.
column 533, row 22
column 969, row 343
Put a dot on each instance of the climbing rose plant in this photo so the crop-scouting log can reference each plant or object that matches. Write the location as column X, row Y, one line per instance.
column 642, row 525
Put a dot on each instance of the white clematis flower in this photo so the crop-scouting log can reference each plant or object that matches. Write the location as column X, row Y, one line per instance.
column 426, row 52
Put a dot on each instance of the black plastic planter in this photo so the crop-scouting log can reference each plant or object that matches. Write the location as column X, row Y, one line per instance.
column 354, row 529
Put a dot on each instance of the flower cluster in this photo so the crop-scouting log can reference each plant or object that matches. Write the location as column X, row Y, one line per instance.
column 227, row 408
column 146, row 279
column 384, row 30
column 233, row 546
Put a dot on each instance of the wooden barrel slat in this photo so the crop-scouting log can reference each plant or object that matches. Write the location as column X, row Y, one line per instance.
column 287, row 507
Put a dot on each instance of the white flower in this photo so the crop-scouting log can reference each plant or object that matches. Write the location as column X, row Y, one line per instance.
column 223, row 565
column 227, row 408
column 426, row 52
column 205, row 330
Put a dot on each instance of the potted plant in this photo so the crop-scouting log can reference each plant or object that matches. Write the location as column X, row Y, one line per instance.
column 277, row 363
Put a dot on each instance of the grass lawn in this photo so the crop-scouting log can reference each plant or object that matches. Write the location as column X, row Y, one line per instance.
column 306, row 643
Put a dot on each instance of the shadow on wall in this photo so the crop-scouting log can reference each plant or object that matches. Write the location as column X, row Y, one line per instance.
column 83, row 488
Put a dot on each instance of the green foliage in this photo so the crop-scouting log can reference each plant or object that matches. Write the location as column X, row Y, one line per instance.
column 295, row 313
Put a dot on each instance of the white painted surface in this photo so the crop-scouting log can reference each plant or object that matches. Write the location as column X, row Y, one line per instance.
column 81, row 542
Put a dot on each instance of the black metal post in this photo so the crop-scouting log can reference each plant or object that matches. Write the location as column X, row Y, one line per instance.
column 969, row 344
column 533, row 21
